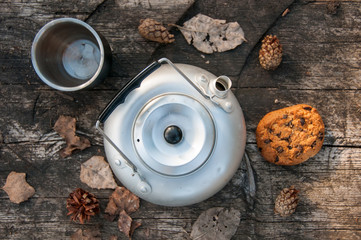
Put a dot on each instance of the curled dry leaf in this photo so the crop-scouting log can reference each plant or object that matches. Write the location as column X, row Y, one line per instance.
column 210, row 35
column 87, row 234
column 17, row 188
column 65, row 127
column 122, row 199
column 216, row 224
column 135, row 225
column 126, row 224
column 96, row 173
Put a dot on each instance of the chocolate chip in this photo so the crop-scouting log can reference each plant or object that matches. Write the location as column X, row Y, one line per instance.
column 289, row 147
column 285, row 116
column 278, row 134
column 320, row 135
column 289, row 124
column 270, row 130
column 277, row 159
column 260, row 149
column 279, row 149
column 267, row 141
column 302, row 121
column 313, row 144
column 286, row 139
column 300, row 148
column 307, row 108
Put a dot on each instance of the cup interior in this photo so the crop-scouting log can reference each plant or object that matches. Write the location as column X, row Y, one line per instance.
column 67, row 54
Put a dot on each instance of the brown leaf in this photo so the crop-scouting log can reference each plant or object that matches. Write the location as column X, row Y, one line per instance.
column 216, row 223
column 96, row 173
column 210, row 35
column 124, row 223
column 65, row 127
column 122, row 199
column 134, row 226
column 17, row 188
column 87, row 234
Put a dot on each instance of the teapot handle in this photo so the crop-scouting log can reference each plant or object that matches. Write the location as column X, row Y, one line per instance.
column 123, row 93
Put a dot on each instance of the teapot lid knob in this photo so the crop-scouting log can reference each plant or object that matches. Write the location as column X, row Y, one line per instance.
column 173, row 134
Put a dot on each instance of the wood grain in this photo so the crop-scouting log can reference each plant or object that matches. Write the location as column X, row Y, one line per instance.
column 321, row 67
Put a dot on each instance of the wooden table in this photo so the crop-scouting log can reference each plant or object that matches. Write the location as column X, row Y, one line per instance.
column 321, row 67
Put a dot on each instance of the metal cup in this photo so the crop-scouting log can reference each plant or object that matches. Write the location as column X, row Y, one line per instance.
column 69, row 55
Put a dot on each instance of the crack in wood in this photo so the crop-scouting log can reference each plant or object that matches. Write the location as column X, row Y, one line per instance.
column 96, row 9
column 257, row 45
column 34, row 107
column 331, row 178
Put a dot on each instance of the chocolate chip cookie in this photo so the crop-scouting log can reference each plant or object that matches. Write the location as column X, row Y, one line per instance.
column 291, row 135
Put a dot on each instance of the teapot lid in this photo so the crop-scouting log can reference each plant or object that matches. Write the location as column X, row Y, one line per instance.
column 173, row 134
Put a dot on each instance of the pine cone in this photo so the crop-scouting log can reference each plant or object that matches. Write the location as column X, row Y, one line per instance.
column 82, row 205
column 154, row 31
column 270, row 54
column 286, row 202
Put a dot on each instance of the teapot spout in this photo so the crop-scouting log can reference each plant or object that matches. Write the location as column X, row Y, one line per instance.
column 220, row 86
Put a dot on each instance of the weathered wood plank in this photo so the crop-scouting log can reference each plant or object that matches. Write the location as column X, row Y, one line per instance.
column 321, row 51
column 116, row 20
column 255, row 17
column 340, row 110
column 328, row 184
column 321, row 67
column 40, row 109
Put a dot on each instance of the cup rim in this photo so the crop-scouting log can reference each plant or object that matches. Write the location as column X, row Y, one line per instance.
column 47, row 27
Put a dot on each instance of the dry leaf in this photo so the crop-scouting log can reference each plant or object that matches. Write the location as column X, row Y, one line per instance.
column 122, row 199
column 210, row 35
column 17, row 188
column 216, row 224
column 134, row 226
column 65, row 127
column 123, row 202
column 87, row 234
column 96, row 173
column 126, row 224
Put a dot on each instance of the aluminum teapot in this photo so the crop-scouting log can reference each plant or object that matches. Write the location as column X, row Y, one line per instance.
column 175, row 134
